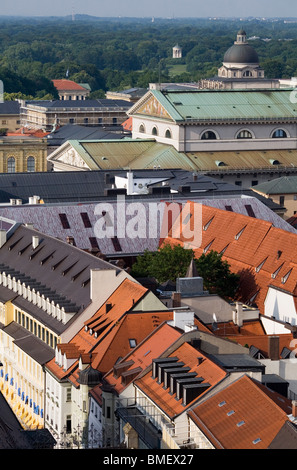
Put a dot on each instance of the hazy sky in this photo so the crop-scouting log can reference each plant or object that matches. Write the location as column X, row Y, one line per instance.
column 149, row 8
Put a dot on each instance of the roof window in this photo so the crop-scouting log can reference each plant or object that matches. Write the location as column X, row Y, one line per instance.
column 64, row 221
column 222, row 403
column 230, row 413
column 205, row 227
column 256, row 440
column 240, row 423
column 286, row 277
column 239, row 234
column 86, row 219
column 258, row 268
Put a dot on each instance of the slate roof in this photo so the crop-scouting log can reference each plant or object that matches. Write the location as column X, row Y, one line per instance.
column 57, row 269
column 82, row 104
column 10, row 107
column 231, row 422
column 73, row 131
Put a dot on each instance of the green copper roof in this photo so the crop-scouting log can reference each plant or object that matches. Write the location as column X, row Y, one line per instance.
column 283, row 185
column 227, row 104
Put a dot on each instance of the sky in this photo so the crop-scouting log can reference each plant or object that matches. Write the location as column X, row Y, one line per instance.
column 151, row 8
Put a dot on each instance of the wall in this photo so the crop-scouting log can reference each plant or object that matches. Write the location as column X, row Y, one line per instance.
column 280, row 305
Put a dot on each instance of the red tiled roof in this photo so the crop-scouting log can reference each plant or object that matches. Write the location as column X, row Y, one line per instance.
column 230, row 422
column 262, row 254
column 127, row 125
column 67, row 85
column 151, row 347
column 208, row 370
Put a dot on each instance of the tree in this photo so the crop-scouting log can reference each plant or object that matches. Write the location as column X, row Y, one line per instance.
column 168, row 263
column 216, row 274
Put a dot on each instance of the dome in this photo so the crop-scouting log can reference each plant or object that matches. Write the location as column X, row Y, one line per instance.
column 241, row 54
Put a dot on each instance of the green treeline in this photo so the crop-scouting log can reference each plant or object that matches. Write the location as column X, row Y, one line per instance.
column 115, row 54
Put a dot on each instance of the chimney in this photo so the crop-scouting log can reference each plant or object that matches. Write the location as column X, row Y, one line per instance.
column 238, row 314
column 176, row 299
column 2, row 237
column 273, row 348
column 70, row 241
column 35, row 241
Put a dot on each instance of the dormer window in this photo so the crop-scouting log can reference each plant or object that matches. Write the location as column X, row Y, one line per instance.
column 286, row 277
column 239, row 234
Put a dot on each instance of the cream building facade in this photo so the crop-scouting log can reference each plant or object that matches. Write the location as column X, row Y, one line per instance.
column 23, row 154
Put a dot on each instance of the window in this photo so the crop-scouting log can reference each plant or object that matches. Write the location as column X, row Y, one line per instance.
column 279, row 134
column 132, row 343
column 68, row 394
column 168, row 134
column 244, row 135
column 255, row 182
column 250, row 210
column 86, row 219
column 71, row 121
column 64, row 221
column 154, row 131
column 99, row 120
column 114, row 121
column 30, row 164
column 86, row 120
column 94, row 242
column 208, row 135
column 142, row 129
column 238, row 183
column 116, row 244
column 68, row 424
column 11, row 165
column 282, row 200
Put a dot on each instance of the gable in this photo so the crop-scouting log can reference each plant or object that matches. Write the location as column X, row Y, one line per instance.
column 153, row 107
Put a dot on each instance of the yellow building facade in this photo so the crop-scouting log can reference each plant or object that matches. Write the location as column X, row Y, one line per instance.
column 21, row 374
column 23, row 154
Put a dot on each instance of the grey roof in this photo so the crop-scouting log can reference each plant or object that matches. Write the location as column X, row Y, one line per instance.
column 286, row 438
column 30, row 344
column 56, row 269
column 241, row 54
column 99, row 103
column 238, row 362
column 10, row 107
column 76, row 132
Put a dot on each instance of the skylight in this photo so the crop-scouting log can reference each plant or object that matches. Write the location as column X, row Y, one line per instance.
column 257, row 440
column 222, row 403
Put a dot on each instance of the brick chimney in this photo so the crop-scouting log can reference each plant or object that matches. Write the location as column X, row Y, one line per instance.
column 176, row 299
column 273, row 348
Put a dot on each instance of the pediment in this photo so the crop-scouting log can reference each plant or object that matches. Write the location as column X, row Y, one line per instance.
column 152, row 107
column 72, row 158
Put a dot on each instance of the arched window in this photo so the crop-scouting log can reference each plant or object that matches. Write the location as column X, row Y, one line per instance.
column 279, row 134
column 11, row 165
column 168, row 134
column 155, row 131
column 208, row 135
column 142, row 128
column 244, row 135
column 31, row 164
